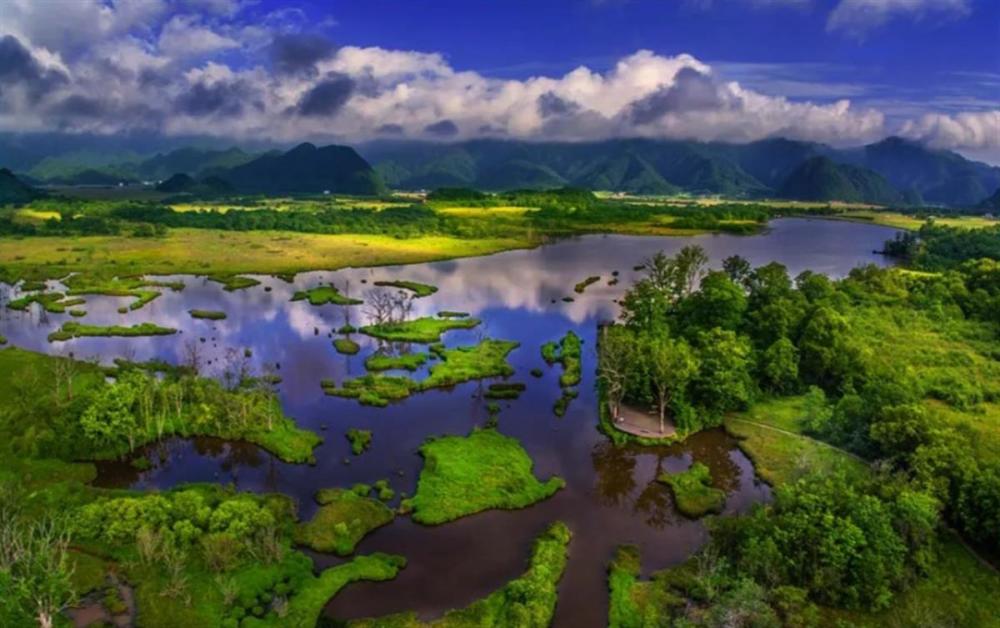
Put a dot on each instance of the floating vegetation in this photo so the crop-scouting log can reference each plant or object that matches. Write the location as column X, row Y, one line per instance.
column 562, row 403
column 231, row 283
column 77, row 313
column 567, row 353
column 452, row 314
column 580, row 287
column 505, row 390
column 423, row 330
column 343, row 519
column 529, row 600
column 346, row 346
column 212, row 315
column 372, row 390
column 83, row 284
column 360, row 440
column 463, row 475
column 693, row 491
column 321, row 295
column 383, row 490
column 407, row 361
column 418, row 289
column 347, row 329
column 54, row 302
column 76, row 330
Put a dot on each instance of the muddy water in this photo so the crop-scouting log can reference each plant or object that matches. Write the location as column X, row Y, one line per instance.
column 611, row 495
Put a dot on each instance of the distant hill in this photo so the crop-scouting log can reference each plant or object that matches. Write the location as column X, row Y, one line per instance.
column 991, row 203
column 182, row 183
column 822, row 179
column 306, row 169
column 911, row 173
column 91, row 177
column 191, row 160
column 13, row 191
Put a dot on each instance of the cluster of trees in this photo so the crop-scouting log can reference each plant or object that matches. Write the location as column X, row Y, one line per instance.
column 695, row 343
column 938, row 247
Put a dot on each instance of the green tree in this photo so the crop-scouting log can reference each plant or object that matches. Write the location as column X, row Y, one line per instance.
column 779, row 368
column 718, row 303
column 723, row 381
column 672, row 364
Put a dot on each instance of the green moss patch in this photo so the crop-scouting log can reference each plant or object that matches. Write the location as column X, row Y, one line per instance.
column 417, row 288
column 322, row 295
column 565, row 352
column 407, row 361
column 463, row 475
column 212, row 315
column 423, row 330
column 346, row 346
column 693, row 491
column 360, row 440
column 343, row 519
column 529, row 600
column 580, row 287
column 72, row 330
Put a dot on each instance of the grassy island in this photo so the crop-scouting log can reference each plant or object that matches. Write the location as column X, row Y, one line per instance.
column 407, row 361
column 528, row 601
column 693, row 492
column 72, row 330
column 231, row 282
column 54, row 302
column 321, row 295
column 425, row 330
column 583, row 285
column 463, row 475
column 567, row 353
column 418, row 289
column 344, row 518
column 346, row 346
column 360, row 440
column 212, row 315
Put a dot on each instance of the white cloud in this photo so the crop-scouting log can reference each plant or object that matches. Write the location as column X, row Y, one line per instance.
column 185, row 36
column 858, row 17
column 968, row 130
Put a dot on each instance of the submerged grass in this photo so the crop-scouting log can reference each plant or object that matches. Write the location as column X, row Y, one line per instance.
column 343, row 519
column 463, row 475
column 693, row 491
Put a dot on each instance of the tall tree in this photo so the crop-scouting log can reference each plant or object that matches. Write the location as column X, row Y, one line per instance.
column 672, row 364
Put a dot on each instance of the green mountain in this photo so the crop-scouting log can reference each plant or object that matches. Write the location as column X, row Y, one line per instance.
column 306, row 169
column 13, row 191
column 992, row 203
column 822, row 179
column 191, row 160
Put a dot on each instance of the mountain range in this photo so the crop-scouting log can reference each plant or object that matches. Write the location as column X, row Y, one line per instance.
column 893, row 171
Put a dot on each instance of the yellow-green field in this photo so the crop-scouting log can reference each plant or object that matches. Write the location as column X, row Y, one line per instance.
column 198, row 251
column 912, row 223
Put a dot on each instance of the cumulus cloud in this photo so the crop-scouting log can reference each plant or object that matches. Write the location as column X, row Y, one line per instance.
column 294, row 53
column 327, row 97
column 858, row 17
column 969, row 130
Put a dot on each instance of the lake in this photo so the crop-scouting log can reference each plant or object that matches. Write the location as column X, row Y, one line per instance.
column 611, row 496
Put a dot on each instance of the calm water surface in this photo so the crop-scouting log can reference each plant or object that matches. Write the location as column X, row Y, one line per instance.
column 611, row 495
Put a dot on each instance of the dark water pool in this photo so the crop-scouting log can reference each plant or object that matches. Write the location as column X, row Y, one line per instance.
column 611, row 495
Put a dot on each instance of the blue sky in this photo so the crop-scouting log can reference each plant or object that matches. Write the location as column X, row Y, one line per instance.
column 839, row 71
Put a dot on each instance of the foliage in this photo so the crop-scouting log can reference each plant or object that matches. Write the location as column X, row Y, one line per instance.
column 343, row 519
column 693, row 491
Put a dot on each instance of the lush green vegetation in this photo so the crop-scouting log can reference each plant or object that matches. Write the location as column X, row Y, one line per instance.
column 384, row 362
column 360, row 440
column 233, row 282
column 463, row 475
column 343, row 519
column 693, row 492
column 505, row 390
column 528, row 601
column 54, row 302
column 423, row 330
column 567, row 353
column 212, row 315
column 71, row 329
column 346, row 346
column 418, row 289
column 321, row 295
column 458, row 365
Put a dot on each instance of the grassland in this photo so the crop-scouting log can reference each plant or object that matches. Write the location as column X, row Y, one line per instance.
column 343, row 519
column 911, row 222
column 693, row 492
column 424, row 330
column 71, row 329
column 463, row 475
column 527, row 602
column 208, row 251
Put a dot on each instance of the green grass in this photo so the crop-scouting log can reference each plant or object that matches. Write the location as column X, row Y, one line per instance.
column 463, row 475
column 212, row 315
column 505, row 390
column 72, row 330
column 528, row 601
column 233, row 282
column 418, row 289
column 54, row 302
column 421, row 330
column 580, row 287
column 346, row 346
column 372, row 389
column 562, row 403
column 322, row 295
column 566, row 352
column 693, row 492
column 343, row 519
column 407, row 361
column 360, row 440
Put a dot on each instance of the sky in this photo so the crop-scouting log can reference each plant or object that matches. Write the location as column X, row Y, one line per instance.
column 843, row 72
